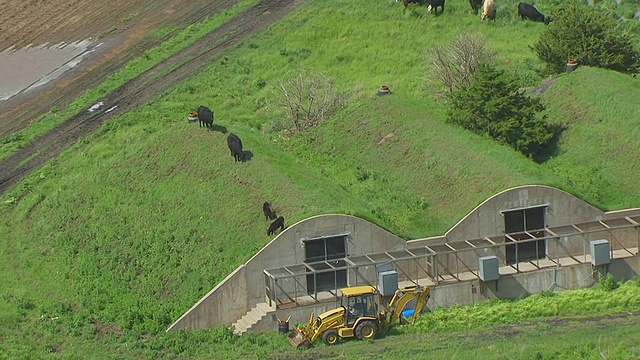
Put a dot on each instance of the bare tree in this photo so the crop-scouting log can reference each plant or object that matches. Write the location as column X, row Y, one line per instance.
column 307, row 98
column 453, row 65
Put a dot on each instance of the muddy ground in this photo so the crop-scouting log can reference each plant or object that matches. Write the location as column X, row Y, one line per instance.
column 124, row 27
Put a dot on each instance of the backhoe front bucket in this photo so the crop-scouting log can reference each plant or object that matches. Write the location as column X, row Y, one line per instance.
column 297, row 338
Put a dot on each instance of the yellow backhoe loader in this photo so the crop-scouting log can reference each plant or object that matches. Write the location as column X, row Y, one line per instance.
column 360, row 315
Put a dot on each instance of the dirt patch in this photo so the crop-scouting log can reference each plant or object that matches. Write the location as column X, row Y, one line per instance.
column 122, row 26
column 104, row 329
column 386, row 138
column 19, row 111
column 576, row 112
column 564, row 324
column 541, row 89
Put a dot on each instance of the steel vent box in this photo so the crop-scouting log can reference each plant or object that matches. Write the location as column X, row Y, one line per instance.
column 388, row 282
column 600, row 251
column 488, row 268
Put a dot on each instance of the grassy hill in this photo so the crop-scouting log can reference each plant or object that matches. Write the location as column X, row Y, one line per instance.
column 107, row 245
column 598, row 157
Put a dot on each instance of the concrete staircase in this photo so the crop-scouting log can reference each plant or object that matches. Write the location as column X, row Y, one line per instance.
column 252, row 318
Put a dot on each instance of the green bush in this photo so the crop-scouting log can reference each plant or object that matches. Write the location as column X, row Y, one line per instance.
column 590, row 36
column 493, row 104
column 607, row 283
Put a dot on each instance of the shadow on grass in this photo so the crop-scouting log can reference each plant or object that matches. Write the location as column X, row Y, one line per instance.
column 551, row 149
column 220, row 128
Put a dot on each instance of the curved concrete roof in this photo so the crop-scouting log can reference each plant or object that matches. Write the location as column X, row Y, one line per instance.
column 486, row 218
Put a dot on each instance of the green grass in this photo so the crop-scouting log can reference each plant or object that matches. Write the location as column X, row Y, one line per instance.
column 536, row 307
column 577, row 339
column 105, row 246
column 599, row 151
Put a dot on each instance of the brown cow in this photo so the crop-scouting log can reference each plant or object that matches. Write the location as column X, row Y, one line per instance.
column 489, row 10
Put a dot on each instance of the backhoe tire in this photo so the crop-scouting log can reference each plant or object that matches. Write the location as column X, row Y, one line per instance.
column 330, row 337
column 366, row 330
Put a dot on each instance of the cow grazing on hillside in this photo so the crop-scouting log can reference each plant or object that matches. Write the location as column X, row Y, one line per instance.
column 268, row 212
column 279, row 223
column 489, row 10
column 475, row 5
column 434, row 4
column 235, row 146
column 529, row 12
column 205, row 115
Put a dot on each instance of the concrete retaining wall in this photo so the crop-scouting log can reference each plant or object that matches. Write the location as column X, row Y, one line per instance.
column 222, row 303
column 524, row 284
column 245, row 287
column 473, row 291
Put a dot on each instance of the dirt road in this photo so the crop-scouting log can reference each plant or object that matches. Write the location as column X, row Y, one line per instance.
column 18, row 112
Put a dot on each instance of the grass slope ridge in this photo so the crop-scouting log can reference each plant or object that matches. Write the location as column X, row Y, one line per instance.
column 107, row 245
column 598, row 157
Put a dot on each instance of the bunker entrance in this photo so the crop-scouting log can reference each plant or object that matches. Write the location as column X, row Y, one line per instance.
column 525, row 224
column 326, row 253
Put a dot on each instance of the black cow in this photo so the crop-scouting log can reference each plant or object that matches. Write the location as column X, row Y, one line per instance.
column 235, row 145
column 529, row 12
column 205, row 115
column 434, row 4
column 475, row 5
column 279, row 223
column 268, row 212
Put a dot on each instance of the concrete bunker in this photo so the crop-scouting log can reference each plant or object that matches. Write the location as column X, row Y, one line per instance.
column 539, row 237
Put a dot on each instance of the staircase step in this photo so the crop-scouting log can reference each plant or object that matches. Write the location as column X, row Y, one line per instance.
column 242, row 323
column 246, row 322
column 240, row 328
column 264, row 307
column 253, row 317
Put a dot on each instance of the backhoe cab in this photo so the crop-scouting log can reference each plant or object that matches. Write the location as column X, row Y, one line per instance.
column 360, row 315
